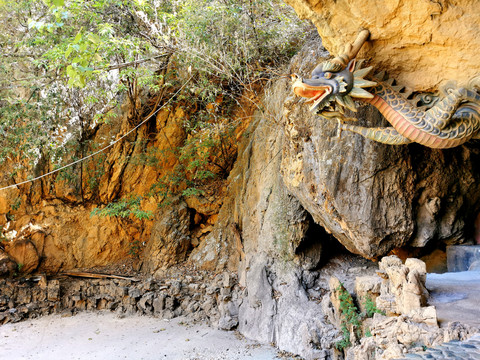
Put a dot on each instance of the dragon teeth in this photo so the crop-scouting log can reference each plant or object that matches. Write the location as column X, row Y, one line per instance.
column 320, row 99
column 339, row 99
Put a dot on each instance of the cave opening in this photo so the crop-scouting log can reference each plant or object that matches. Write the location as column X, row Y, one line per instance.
column 317, row 246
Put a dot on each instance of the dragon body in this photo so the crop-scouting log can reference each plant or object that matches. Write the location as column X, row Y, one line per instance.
column 337, row 83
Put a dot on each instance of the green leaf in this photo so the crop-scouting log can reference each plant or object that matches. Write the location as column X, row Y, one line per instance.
column 31, row 23
column 58, row 3
column 68, row 52
column 94, row 38
column 78, row 37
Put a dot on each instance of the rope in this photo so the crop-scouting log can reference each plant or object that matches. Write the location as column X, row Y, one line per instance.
column 98, row 151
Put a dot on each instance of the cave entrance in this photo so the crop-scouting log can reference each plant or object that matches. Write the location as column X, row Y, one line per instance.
column 317, row 246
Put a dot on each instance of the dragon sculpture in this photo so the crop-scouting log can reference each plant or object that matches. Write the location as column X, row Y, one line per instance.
column 336, row 84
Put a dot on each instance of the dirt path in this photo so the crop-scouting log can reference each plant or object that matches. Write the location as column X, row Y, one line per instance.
column 102, row 335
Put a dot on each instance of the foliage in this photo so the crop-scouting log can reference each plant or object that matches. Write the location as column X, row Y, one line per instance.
column 234, row 42
column 123, row 208
column 66, row 66
column 350, row 317
column 371, row 308
column 345, row 342
column 57, row 81
column 135, row 248
column 16, row 204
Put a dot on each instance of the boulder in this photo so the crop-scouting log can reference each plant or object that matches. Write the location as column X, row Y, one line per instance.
column 170, row 238
column 403, row 290
column 25, row 255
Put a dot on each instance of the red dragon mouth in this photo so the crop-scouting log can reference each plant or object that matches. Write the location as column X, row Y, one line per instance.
column 315, row 94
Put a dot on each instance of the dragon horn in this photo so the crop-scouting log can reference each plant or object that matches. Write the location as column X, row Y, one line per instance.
column 351, row 50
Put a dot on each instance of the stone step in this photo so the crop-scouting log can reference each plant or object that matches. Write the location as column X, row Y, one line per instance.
column 453, row 350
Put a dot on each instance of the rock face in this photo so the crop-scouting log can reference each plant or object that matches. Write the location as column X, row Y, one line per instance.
column 294, row 182
column 374, row 197
column 7, row 265
column 73, row 240
column 419, row 44
column 25, row 255
column 170, row 238
column 59, row 222
column 262, row 231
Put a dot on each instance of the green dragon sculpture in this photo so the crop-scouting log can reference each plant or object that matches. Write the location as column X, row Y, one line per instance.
column 336, row 83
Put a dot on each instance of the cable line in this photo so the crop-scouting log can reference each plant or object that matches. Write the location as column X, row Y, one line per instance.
column 98, row 151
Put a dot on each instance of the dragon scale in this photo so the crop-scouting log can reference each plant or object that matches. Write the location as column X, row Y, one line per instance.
column 336, row 83
column 429, row 128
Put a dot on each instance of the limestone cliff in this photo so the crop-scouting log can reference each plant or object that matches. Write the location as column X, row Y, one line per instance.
column 292, row 172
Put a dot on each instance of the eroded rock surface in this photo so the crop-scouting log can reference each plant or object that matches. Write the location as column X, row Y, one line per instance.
column 25, row 255
column 264, row 232
column 7, row 265
column 170, row 238
column 293, row 183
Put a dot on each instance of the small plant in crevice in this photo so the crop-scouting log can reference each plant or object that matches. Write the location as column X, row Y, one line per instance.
column 18, row 270
column 135, row 249
column 123, row 208
column 371, row 308
column 345, row 342
column 351, row 317
column 16, row 204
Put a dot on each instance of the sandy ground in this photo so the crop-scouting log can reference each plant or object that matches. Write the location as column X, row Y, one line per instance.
column 102, row 335
column 456, row 296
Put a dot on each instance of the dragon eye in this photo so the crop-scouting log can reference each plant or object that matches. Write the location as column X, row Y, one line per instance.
column 327, row 75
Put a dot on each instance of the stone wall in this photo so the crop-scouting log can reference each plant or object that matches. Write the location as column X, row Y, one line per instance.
column 213, row 299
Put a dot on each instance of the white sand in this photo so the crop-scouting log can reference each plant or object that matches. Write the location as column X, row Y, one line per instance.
column 102, row 335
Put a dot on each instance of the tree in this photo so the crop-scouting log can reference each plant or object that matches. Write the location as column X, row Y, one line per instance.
column 67, row 65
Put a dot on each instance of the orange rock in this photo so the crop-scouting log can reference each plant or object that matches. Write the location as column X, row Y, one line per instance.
column 25, row 255
column 419, row 45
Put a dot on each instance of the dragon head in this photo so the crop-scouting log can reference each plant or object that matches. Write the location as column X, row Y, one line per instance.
column 335, row 83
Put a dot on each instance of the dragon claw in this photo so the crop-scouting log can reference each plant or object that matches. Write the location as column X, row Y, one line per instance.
column 339, row 128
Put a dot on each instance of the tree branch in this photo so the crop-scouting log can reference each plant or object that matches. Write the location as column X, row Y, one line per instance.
column 136, row 62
